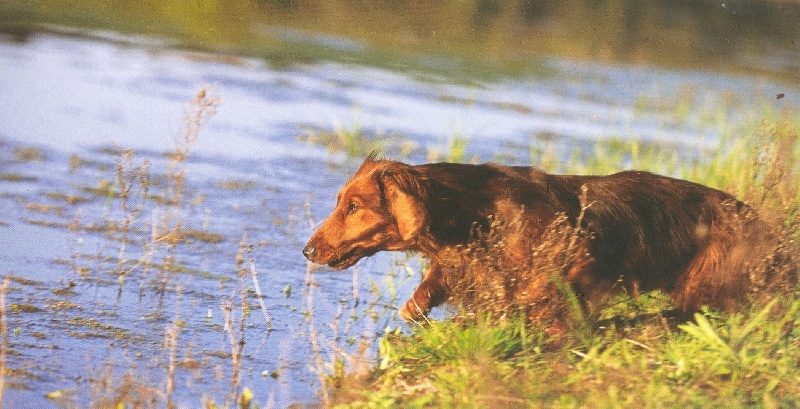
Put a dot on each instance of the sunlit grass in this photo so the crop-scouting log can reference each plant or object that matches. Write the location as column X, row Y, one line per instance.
column 738, row 360
column 734, row 360
column 351, row 140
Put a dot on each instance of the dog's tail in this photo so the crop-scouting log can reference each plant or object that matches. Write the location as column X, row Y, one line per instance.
column 735, row 260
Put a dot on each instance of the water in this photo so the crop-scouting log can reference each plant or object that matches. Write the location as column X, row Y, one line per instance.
column 71, row 104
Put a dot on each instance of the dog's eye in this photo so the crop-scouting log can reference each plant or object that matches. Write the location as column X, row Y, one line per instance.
column 352, row 208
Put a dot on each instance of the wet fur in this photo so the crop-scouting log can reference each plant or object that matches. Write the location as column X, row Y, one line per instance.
column 631, row 230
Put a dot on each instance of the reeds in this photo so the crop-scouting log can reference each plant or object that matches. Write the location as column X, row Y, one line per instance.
column 154, row 244
column 3, row 337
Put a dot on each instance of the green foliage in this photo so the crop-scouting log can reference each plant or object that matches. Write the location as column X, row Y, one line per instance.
column 453, row 360
column 482, row 339
column 578, row 322
column 746, row 359
column 456, row 150
column 352, row 140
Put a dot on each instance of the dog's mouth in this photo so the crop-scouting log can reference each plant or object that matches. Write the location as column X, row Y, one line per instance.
column 345, row 260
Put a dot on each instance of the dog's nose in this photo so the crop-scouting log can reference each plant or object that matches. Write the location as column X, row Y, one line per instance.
column 310, row 251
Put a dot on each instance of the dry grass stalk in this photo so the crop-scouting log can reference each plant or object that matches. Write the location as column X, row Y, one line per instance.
column 313, row 336
column 171, row 333
column 170, row 344
column 236, row 337
column 775, row 192
column 260, row 296
column 245, row 248
column 236, row 349
column 128, row 391
column 484, row 279
column 199, row 111
column 3, row 337
column 125, row 181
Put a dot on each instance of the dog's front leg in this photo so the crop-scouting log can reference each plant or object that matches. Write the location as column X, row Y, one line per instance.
column 430, row 293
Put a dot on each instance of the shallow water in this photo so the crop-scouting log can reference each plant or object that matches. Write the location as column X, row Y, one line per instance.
column 71, row 104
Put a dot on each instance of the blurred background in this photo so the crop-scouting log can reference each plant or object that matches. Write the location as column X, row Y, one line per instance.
column 457, row 37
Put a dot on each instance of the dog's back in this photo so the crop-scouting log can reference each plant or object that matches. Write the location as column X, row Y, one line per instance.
column 654, row 232
column 640, row 231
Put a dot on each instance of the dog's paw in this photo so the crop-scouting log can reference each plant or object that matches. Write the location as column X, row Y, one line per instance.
column 412, row 311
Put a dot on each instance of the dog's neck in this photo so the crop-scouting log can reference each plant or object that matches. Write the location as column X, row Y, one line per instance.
column 454, row 218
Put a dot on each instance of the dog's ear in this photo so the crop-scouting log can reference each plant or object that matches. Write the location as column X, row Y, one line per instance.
column 404, row 194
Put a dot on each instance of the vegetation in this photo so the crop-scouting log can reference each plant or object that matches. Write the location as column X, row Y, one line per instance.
column 740, row 360
column 352, row 141
column 631, row 353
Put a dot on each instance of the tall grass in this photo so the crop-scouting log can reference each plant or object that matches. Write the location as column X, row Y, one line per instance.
column 171, row 225
column 351, row 140
column 144, row 223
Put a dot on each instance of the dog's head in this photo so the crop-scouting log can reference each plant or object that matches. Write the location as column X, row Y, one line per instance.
column 382, row 207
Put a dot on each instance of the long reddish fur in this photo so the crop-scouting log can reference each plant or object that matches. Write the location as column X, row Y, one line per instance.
column 631, row 230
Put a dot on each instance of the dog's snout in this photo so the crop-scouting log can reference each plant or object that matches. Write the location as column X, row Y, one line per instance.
column 310, row 251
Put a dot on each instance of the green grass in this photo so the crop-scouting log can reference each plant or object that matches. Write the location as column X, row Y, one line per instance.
column 747, row 359
column 632, row 353
column 352, row 141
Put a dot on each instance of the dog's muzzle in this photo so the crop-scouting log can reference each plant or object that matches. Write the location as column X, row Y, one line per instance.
column 310, row 252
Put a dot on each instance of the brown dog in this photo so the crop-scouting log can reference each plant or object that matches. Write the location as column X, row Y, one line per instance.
column 640, row 231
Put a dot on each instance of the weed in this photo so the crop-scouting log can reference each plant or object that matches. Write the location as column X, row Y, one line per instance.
column 75, row 162
column 141, row 244
column 484, row 280
column 125, row 180
column 454, row 150
column 171, row 333
column 353, row 141
column 200, row 235
column 44, row 208
column 246, row 249
column 16, row 308
column 740, row 360
column 169, row 228
column 237, row 184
